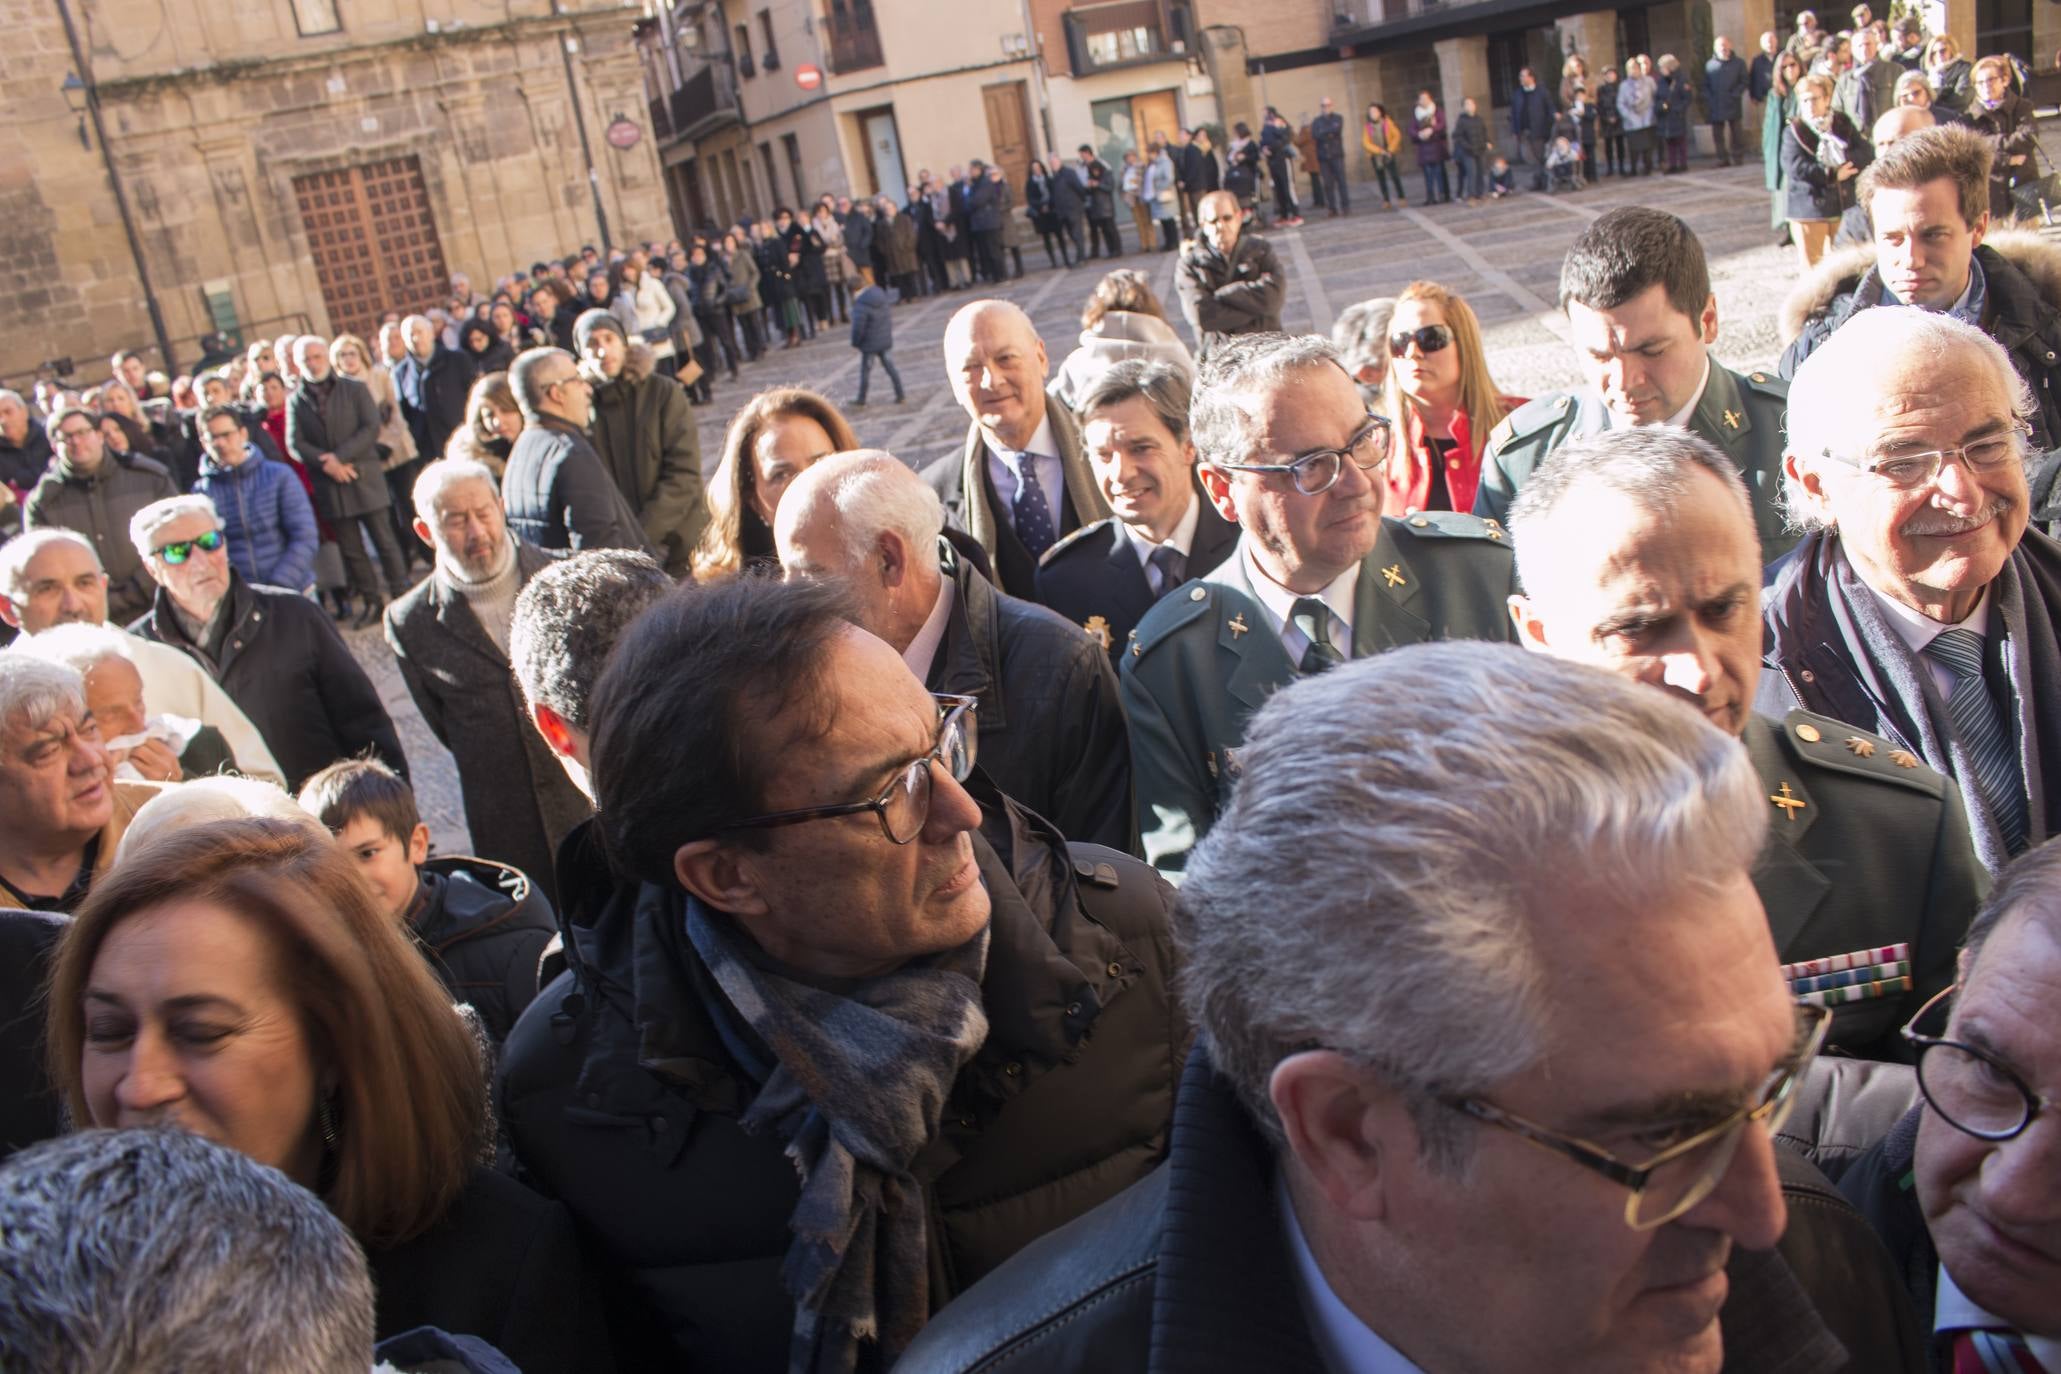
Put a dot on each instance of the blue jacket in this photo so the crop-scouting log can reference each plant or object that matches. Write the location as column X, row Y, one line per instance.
column 265, row 517
column 1531, row 112
column 873, row 328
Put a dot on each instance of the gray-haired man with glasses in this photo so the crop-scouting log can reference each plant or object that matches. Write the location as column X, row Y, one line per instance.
column 1966, row 1189
column 1920, row 605
column 1493, row 1046
column 1290, row 453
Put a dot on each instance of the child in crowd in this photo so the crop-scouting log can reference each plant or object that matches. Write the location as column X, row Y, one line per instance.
column 1564, row 164
column 1501, row 183
column 873, row 334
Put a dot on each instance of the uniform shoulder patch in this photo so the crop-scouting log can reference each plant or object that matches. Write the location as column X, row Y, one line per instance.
column 1766, row 384
column 1084, row 533
column 1448, row 524
column 1531, row 417
column 1834, row 745
column 1168, row 615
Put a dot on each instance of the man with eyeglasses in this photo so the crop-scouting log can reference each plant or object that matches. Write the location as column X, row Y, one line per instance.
column 1637, row 555
column 1230, row 282
column 1641, row 317
column 1292, row 456
column 1919, row 605
column 853, row 1028
column 96, row 494
column 558, row 492
column 275, row 652
column 266, row 518
column 1493, row 1045
column 1965, row 1190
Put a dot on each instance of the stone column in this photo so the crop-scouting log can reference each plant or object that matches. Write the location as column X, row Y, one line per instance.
column 1462, row 71
column 1959, row 24
column 1594, row 36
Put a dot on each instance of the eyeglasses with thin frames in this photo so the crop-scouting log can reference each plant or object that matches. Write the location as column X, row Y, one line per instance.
column 1908, row 470
column 903, row 806
column 1317, row 471
column 1973, row 1090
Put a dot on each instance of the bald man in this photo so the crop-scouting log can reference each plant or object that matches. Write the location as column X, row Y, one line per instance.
column 1230, row 281
column 1052, row 731
column 1022, row 482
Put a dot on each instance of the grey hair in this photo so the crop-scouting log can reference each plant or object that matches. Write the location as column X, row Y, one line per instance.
column 567, row 620
column 1219, row 418
column 156, row 1249
column 8, row 393
column 78, row 646
column 205, row 800
column 1652, row 466
column 440, row 476
column 300, row 349
column 145, row 523
column 1361, row 334
column 1846, row 370
column 17, row 553
column 1374, row 884
column 1161, row 385
column 1913, row 81
column 872, row 491
column 522, row 378
column 34, row 689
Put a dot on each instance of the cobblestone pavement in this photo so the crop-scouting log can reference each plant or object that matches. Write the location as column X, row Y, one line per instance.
column 1503, row 257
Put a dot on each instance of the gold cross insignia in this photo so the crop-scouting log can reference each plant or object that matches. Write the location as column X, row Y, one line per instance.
column 1903, row 758
column 1209, row 761
column 1788, row 801
column 1394, row 573
column 1232, row 763
column 1732, row 418
column 1238, row 625
column 1098, row 630
column 1862, row 748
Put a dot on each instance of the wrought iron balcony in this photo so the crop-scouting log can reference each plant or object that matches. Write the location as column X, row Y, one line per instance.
column 704, row 102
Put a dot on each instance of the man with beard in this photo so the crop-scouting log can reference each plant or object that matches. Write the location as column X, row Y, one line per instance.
column 450, row 637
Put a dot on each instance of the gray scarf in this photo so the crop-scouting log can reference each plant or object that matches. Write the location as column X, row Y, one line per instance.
column 856, row 1092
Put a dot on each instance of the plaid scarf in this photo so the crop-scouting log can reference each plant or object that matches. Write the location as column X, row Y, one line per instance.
column 856, row 1091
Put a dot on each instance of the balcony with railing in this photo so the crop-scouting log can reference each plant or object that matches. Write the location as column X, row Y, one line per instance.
column 705, row 102
column 1102, row 38
column 854, row 41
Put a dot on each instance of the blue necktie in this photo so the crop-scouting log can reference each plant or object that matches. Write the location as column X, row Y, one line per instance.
column 1033, row 512
column 1172, row 567
column 1983, row 733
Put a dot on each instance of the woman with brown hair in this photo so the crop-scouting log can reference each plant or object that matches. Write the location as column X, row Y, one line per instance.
column 774, row 439
column 1441, row 397
column 492, row 422
column 1123, row 319
column 237, row 980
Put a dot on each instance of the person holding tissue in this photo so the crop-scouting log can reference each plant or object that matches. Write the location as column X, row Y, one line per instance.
column 142, row 745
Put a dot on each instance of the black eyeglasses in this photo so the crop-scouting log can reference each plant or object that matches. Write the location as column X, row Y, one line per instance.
column 1317, row 471
column 1687, row 1170
column 1429, row 339
column 903, row 806
column 1972, row 1090
column 179, row 552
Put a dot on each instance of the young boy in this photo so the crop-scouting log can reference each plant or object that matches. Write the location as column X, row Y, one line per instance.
column 1501, row 183
column 482, row 925
column 873, row 334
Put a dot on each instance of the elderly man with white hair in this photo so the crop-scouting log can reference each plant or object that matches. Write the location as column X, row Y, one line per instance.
column 433, row 381
column 450, row 638
column 332, row 426
column 275, row 652
column 50, row 578
column 1051, row 730
column 1920, row 605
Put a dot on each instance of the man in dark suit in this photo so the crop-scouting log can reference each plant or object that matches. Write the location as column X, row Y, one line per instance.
column 433, row 382
column 450, row 637
column 1051, row 731
column 1022, row 482
column 1289, row 453
column 1105, row 576
column 1636, row 549
column 332, row 426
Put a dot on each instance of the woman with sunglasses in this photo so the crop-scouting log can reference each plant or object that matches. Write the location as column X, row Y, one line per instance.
column 1440, row 395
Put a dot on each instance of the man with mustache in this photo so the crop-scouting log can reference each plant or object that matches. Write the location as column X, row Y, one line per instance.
column 1637, row 554
column 1919, row 605
column 1641, row 316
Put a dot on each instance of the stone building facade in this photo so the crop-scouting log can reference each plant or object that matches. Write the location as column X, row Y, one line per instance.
column 301, row 164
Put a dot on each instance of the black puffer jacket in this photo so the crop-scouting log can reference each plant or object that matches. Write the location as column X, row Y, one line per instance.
column 484, row 926
column 620, row 1097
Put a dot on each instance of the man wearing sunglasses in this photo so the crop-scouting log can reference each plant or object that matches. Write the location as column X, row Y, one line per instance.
column 1920, row 605
column 1292, row 456
column 1493, row 1048
column 275, row 652
column 1635, row 289
column 1966, row 1189
column 96, row 493
column 854, row 1028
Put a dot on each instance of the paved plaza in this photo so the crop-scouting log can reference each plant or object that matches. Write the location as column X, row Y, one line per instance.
column 1503, row 257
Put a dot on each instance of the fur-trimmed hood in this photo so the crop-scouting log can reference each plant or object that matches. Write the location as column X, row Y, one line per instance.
column 1840, row 272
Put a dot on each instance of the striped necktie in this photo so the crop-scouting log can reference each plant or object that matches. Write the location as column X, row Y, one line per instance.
column 1983, row 732
column 1310, row 615
column 1993, row 1352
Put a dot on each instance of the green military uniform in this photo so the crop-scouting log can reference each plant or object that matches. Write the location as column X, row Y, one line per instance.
column 1205, row 657
column 1741, row 414
column 1867, row 848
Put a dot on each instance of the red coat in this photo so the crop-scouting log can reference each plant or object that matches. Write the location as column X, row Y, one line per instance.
column 1408, row 475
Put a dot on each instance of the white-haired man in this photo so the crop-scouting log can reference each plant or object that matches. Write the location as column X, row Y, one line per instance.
column 1051, row 729
column 275, row 652
column 1493, row 1042
column 433, row 381
column 332, row 426
column 53, row 577
column 450, row 637
column 1637, row 553
column 1920, row 605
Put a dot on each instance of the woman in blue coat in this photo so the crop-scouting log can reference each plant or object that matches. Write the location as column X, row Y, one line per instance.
column 266, row 518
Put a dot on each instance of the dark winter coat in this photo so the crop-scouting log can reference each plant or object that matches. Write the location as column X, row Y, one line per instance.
column 433, row 394
column 100, row 508
column 1037, row 199
column 1760, row 78
column 743, row 266
column 800, row 238
column 559, row 494
column 280, row 658
column 483, row 348
column 1531, row 113
column 2012, row 132
column 1954, row 87
column 29, row 1106
column 1470, row 138
column 1725, row 83
column 873, row 326
column 1200, row 172
column 22, row 465
column 1609, row 122
column 339, row 416
column 1241, row 295
column 1069, row 194
column 265, row 517
column 1672, row 99
column 899, row 234
column 621, row 1096
column 858, row 236
column 1430, row 151
column 645, row 435
column 483, row 927
column 983, row 207
column 1813, row 191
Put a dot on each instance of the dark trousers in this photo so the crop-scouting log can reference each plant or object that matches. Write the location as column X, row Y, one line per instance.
column 1535, row 154
column 1614, row 158
column 351, row 532
column 1103, row 231
column 886, row 360
column 716, row 337
column 1471, row 172
column 1387, row 174
column 1317, row 192
column 1284, row 188
column 987, row 254
column 1335, row 194
column 400, row 489
column 1169, row 234
column 754, row 337
column 1436, row 187
column 1678, row 153
column 1724, row 134
column 1072, row 227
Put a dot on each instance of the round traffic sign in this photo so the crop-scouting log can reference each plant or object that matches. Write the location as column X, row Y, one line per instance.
column 808, row 76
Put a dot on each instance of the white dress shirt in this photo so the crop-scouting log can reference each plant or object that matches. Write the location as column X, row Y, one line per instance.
column 1918, row 630
column 1180, row 541
column 923, row 648
column 1953, row 1310
column 1680, row 419
column 1279, row 604
column 1005, row 470
column 1347, row 1344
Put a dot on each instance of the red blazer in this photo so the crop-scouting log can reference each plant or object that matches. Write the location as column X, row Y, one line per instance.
column 1408, row 474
